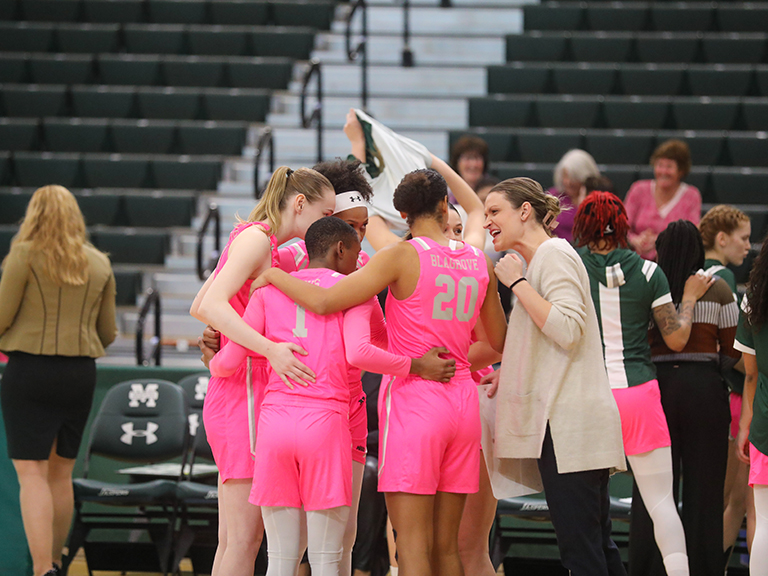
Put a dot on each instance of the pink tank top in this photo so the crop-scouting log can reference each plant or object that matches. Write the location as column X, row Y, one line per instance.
column 443, row 309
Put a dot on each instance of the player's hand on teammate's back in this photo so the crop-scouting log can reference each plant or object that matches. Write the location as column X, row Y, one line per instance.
column 282, row 358
column 431, row 367
column 493, row 380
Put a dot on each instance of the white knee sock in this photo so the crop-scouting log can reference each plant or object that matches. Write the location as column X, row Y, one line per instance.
column 653, row 474
column 282, row 526
column 758, row 559
column 350, row 533
column 325, row 537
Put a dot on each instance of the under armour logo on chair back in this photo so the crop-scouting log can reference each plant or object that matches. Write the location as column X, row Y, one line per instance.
column 130, row 433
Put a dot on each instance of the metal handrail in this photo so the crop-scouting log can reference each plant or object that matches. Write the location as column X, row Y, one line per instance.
column 315, row 68
column 266, row 139
column 361, row 49
column 152, row 298
column 203, row 271
column 407, row 52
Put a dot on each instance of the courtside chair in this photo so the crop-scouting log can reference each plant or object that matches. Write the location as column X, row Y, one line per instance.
column 139, row 421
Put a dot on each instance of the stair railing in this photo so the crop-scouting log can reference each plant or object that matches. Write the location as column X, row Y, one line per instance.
column 152, row 300
column 361, row 50
column 266, row 140
column 315, row 69
column 213, row 217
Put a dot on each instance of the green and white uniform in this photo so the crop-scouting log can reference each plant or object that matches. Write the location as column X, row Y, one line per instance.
column 734, row 378
column 625, row 289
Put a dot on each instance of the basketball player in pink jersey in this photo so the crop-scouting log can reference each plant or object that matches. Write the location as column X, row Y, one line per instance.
column 291, row 202
column 302, row 455
column 431, row 431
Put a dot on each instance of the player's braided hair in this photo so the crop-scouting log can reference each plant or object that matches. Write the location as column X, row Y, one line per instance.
column 601, row 216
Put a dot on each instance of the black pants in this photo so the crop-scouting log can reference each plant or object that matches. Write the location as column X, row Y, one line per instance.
column 579, row 506
column 695, row 402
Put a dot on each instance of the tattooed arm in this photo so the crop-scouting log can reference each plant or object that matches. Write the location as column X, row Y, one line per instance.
column 675, row 327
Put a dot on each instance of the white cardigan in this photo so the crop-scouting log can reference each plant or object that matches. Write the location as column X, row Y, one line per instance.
column 557, row 375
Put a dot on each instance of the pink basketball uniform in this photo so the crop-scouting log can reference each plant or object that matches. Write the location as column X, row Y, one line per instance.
column 431, row 430
column 229, row 403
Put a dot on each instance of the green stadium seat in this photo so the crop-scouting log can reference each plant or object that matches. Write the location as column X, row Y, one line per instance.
column 50, row 10
column 513, row 111
column 132, row 246
column 700, row 176
column 734, row 47
column 187, row 172
column 26, row 36
column 160, row 210
column 621, row 175
column 740, row 185
column 43, row 168
column 178, row 11
column 746, row 17
column 8, row 10
column 519, row 78
column 542, row 173
column 115, row 171
column 748, row 149
column 13, row 205
column 546, row 145
column 154, row 38
column 18, row 134
column 192, row 71
column 226, row 139
column 584, row 78
column 99, row 208
column 33, row 101
column 617, row 17
column 75, row 134
column 761, row 75
column 502, row 142
column 667, row 47
column 143, row 136
column 240, row 12
column 123, row 11
column 679, row 17
column 275, row 41
column 5, row 168
column 88, row 38
column 704, row 113
column 755, row 113
column 61, row 68
column 273, row 73
column 720, row 80
column 641, row 112
column 537, row 47
column 169, row 103
column 235, row 104
column 218, row 41
column 128, row 286
column 129, row 69
column 6, row 235
column 601, row 46
column 568, row 111
column 312, row 13
column 556, row 16
column 706, row 147
column 103, row 101
column 619, row 147
column 651, row 79
column 14, row 68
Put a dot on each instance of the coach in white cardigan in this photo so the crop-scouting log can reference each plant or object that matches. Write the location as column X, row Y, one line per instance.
column 556, row 416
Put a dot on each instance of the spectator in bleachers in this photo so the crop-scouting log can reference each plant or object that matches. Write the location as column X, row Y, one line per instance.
column 469, row 158
column 653, row 204
column 57, row 316
column 570, row 174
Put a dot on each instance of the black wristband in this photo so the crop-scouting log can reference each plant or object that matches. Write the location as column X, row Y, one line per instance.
column 516, row 282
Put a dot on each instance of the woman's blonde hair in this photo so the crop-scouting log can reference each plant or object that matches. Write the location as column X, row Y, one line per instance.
column 721, row 218
column 284, row 185
column 545, row 206
column 55, row 227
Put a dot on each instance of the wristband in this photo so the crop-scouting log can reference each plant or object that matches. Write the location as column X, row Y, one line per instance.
column 516, row 282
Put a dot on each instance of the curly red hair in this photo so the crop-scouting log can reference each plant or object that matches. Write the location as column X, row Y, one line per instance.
column 601, row 216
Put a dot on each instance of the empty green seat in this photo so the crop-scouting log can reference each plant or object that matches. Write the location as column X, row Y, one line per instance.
column 177, row 11
column 33, row 101
column 129, row 69
column 128, row 286
column 740, row 185
column 14, row 67
column 651, row 79
column 293, row 42
column 43, row 168
column 501, row 142
column 159, row 210
column 5, row 168
column 26, row 36
column 240, row 12
column 750, row 149
column 737, row 48
column 88, row 38
column 618, row 147
column 169, row 103
column 61, row 68
column 747, row 17
column 601, row 46
column 13, row 205
column 313, row 13
column 132, row 246
column 681, row 17
column 6, row 235
column 700, row 176
column 755, row 112
column 706, row 147
column 75, row 134
column 143, row 136
column 703, row 113
column 584, row 78
column 761, row 75
column 617, row 17
column 226, row 139
column 154, row 38
column 621, row 176
column 519, row 78
column 186, row 172
column 553, row 17
column 542, row 173
column 719, row 80
column 568, row 111
column 103, row 101
column 99, row 208
column 217, row 40
column 546, row 145
column 667, row 47
column 274, row 73
column 8, row 10
column 115, row 171
column 641, row 112
column 50, row 10
column 510, row 111
column 537, row 47
column 235, row 104
column 18, row 134
column 192, row 71
column 123, row 11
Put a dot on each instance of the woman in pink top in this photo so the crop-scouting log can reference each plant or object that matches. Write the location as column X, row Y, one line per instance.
column 291, row 202
column 438, row 289
column 653, row 204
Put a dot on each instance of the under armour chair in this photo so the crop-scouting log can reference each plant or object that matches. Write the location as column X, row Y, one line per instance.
column 139, row 421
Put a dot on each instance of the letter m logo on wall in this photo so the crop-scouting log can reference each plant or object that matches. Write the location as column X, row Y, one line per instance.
column 143, row 394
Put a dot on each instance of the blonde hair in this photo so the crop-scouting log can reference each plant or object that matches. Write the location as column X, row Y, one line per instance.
column 721, row 218
column 580, row 166
column 55, row 227
column 520, row 190
column 284, row 185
